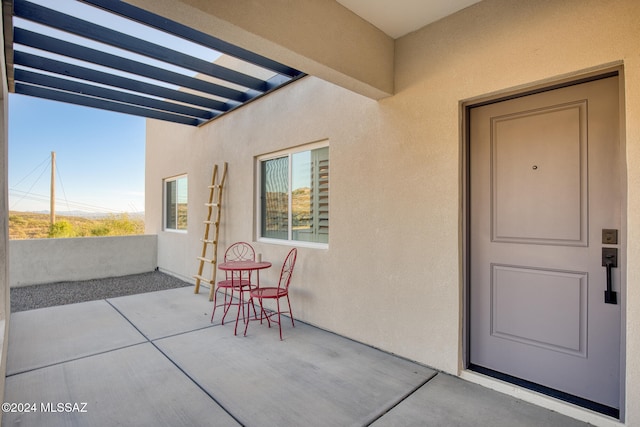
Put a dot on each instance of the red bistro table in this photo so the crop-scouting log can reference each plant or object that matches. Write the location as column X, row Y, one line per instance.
column 242, row 267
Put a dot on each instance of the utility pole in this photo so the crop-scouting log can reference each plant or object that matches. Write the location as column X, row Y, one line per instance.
column 53, row 188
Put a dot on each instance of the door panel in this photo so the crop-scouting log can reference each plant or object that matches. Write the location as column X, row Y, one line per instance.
column 544, row 152
column 519, row 294
column 544, row 182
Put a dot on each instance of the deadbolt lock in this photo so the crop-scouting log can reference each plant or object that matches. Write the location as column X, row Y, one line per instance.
column 609, row 236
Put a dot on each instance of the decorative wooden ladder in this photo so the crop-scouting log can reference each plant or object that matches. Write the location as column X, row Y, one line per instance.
column 211, row 232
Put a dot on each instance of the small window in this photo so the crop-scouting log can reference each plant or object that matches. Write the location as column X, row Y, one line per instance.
column 294, row 196
column 175, row 196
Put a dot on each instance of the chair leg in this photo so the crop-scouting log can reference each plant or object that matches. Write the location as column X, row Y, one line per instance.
column 255, row 314
column 290, row 312
column 213, row 312
column 227, row 306
column 215, row 304
column 263, row 313
column 279, row 320
column 246, row 324
column 240, row 307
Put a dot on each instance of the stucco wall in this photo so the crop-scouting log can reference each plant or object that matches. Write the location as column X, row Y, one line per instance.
column 40, row 261
column 392, row 274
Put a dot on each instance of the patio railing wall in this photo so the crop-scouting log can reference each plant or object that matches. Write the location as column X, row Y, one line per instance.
column 40, row 261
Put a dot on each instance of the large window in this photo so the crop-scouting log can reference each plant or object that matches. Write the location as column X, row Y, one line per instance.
column 175, row 202
column 294, row 195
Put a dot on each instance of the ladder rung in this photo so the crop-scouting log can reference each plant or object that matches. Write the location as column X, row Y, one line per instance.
column 214, row 201
column 203, row 279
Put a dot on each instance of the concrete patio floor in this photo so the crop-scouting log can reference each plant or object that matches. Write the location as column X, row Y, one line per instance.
column 154, row 359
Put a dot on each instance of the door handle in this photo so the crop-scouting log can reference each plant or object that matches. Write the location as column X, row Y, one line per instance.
column 609, row 261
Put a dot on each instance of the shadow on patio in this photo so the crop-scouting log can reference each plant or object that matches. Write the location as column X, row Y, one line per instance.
column 155, row 359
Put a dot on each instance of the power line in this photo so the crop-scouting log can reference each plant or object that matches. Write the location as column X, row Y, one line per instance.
column 44, row 162
column 28, row 195
column 43, row 198
column 64, row 193
column 32, row 185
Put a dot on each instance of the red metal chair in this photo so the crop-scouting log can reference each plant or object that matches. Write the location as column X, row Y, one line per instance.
column 281, row 291
column 240, row 251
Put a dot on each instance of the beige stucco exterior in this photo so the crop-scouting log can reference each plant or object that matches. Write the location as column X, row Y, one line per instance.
column 392, row 275
column 37, row 261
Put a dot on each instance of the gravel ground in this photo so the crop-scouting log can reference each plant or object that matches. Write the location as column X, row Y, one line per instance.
column 50, row 294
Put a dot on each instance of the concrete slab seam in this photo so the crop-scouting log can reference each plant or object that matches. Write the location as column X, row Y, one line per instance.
column 178, row 366
column 400, row 400
column 74, row 359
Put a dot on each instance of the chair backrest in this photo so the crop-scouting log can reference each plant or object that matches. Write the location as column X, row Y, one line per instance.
column 240, row 251
column 287, row 269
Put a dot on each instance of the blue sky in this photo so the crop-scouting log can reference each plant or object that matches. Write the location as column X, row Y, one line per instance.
column 99, row 157
column 100, row 154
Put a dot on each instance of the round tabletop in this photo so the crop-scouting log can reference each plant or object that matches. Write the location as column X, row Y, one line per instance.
column 244, row 265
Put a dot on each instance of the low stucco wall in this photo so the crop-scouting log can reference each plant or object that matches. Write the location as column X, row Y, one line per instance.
column 55, row 260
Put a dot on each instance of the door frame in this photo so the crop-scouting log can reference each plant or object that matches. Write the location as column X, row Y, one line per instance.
column 465, row 106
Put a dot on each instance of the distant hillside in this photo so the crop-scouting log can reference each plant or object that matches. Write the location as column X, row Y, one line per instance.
column 88, row 215
column 32, row 225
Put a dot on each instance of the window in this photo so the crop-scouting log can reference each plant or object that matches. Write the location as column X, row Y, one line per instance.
column 175, row 202
column 294, row 195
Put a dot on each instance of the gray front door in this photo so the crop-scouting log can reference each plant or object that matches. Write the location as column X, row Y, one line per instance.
column 544, row 184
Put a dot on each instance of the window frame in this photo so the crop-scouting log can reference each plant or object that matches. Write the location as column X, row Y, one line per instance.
column 289, row 152
column 165, row 218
